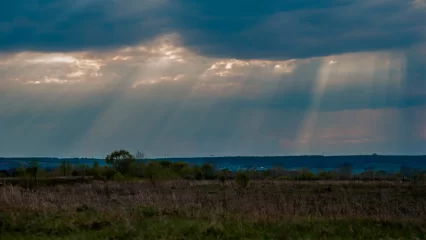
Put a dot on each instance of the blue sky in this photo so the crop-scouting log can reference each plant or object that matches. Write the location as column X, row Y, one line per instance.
column 195, row 78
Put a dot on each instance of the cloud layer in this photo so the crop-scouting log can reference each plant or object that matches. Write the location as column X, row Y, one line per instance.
column 246, row 29
column 163, row 98
column 191, row 78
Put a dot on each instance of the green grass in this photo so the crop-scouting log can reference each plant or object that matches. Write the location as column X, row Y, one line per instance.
column 147, row 223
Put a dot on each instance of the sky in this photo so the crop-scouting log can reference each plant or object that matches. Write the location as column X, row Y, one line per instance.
column 225, row 78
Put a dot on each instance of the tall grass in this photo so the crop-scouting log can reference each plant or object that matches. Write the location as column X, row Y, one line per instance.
column 184, row 209
column 209, row 199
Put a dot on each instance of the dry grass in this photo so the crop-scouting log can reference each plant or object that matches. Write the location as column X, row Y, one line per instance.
column 262, row 200
column 210, row 210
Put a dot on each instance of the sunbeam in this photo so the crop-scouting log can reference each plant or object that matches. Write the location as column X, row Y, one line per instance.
column 373, row 80
column 308, row 126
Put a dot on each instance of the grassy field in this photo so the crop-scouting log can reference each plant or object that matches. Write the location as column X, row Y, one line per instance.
column 210, row 210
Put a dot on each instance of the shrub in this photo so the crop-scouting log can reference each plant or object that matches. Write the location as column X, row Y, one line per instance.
column 133, row 170
column 33, row 169
column 419, row 177
column 208, row 171
column 305, row 175
column 178, row 166
column 325, row 175
column 198, row 176
column 242, row 179
column 117, row 176
column 20, row 172
column 109, row 173
column 96, row 170
column 222, row 178
column 224, row 175
column 282, row 178
column 152, row 170
column 186, row 173
column 165, row 164
column 65, row 168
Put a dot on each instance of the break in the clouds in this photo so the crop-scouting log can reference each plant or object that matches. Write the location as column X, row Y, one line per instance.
column 244, row 29
column 191, row 78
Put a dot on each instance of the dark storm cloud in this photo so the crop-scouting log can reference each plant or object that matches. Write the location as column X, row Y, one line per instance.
column 238, row 29
column 297, row 29
column 68, row 25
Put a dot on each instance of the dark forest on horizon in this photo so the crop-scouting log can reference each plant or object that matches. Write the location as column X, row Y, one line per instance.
column 122, row 164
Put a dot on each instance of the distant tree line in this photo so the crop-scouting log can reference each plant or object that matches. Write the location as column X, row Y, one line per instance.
column 122, row 165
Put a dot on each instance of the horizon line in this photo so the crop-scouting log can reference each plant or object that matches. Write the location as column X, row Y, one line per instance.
column 229, row 156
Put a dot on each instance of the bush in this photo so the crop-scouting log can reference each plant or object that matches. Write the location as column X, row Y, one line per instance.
column 282, row 178
column 242, row 179
column 165, row 164
column 325, row 175
column 222, row 178
column 186, row 173
column 109, row 173
column 224, row 175
column 118, row 176
column 198, row 176
column 177, row 167
column 95, row 170
column 305, row 175
column 33, row 169
column 419, row 177
column 208, row 171
column 152, row 170
column 20, row 172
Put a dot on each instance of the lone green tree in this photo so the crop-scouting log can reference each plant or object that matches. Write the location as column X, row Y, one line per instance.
column 120, row 160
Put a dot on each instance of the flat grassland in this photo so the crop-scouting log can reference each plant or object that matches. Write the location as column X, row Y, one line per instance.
column 180, row 209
